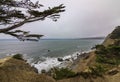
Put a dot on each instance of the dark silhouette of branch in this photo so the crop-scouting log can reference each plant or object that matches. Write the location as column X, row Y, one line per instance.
column 12, row 15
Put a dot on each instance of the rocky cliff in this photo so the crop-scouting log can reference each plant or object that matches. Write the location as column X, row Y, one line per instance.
column 112, row 71
column 112, row 37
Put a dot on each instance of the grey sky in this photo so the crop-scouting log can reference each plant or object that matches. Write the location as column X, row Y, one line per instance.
column 83, row 18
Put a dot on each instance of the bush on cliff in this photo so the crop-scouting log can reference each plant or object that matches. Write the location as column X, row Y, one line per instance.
column 61, row 73
column 18, row 56
column 108, row 55
column 98, row 70
column 116, row 33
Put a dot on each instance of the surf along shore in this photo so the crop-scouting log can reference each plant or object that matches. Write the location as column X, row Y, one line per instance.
column 101, row 65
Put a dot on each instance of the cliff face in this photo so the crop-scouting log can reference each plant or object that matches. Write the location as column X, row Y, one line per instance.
column 83, row 64
column 14, row 70
column 108, row 41
column 112, row 37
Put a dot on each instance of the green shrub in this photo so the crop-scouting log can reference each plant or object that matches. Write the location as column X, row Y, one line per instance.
column 108, row 55
column 98, row 70
column 105, row 60
column 100, row 49
column 84, row 74
column 114, row 50
column 18, row 56
column 101, row 59
column 116, row 33
column 61, row 73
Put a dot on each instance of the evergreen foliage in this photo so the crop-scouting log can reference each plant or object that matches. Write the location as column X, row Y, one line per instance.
column 15, row 13
column 108, row 55
column 98, row 70
column 61, row 73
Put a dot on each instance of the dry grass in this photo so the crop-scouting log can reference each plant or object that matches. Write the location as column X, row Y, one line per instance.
column 108, row 41
column 83, row 64
column 13, row 70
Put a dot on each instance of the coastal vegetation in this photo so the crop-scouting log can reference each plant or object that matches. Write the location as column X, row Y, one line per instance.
column 109, row 58
column 108, row 55
column 18, row 56
column 116, row 33
column 92, row 72
column 61, row 73
column 97, row 70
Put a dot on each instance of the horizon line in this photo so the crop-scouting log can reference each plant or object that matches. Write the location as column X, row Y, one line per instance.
column 58, row 38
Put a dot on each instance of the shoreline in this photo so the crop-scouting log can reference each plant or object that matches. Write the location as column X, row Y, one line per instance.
column 68, row 61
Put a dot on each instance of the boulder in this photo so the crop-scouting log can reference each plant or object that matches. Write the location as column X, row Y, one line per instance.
column 60, row 59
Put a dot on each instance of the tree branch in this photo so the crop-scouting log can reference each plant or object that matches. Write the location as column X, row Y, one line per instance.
column 24, row 35
column 8, row 13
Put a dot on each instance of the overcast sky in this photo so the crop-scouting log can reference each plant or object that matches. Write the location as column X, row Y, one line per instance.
column 82, row 18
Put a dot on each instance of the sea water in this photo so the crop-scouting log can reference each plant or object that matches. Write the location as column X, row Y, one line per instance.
column 44, row 54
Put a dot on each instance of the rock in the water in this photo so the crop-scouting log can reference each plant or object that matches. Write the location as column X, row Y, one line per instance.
column 43, row 71
column 67, row 59
column 35, row 69
column 60, row 59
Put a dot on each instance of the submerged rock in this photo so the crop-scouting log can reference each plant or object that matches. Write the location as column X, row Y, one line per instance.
column 43, row 71
column 60, row 59
column 35, row 69
column 67, row 59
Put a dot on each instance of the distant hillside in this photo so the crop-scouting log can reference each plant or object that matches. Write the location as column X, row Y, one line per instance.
column 93, row 38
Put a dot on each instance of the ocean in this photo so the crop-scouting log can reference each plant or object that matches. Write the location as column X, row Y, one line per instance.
column 44, row 54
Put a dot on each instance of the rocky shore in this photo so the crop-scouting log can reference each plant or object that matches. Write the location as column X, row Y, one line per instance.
column 80, row 68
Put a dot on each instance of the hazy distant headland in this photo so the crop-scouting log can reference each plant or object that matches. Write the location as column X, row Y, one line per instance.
column 73, row 38
column 84, row 38
column 92, row 38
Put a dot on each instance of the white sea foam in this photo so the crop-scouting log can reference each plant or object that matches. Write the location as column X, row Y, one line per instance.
column 53, row 62
column 46, row 65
